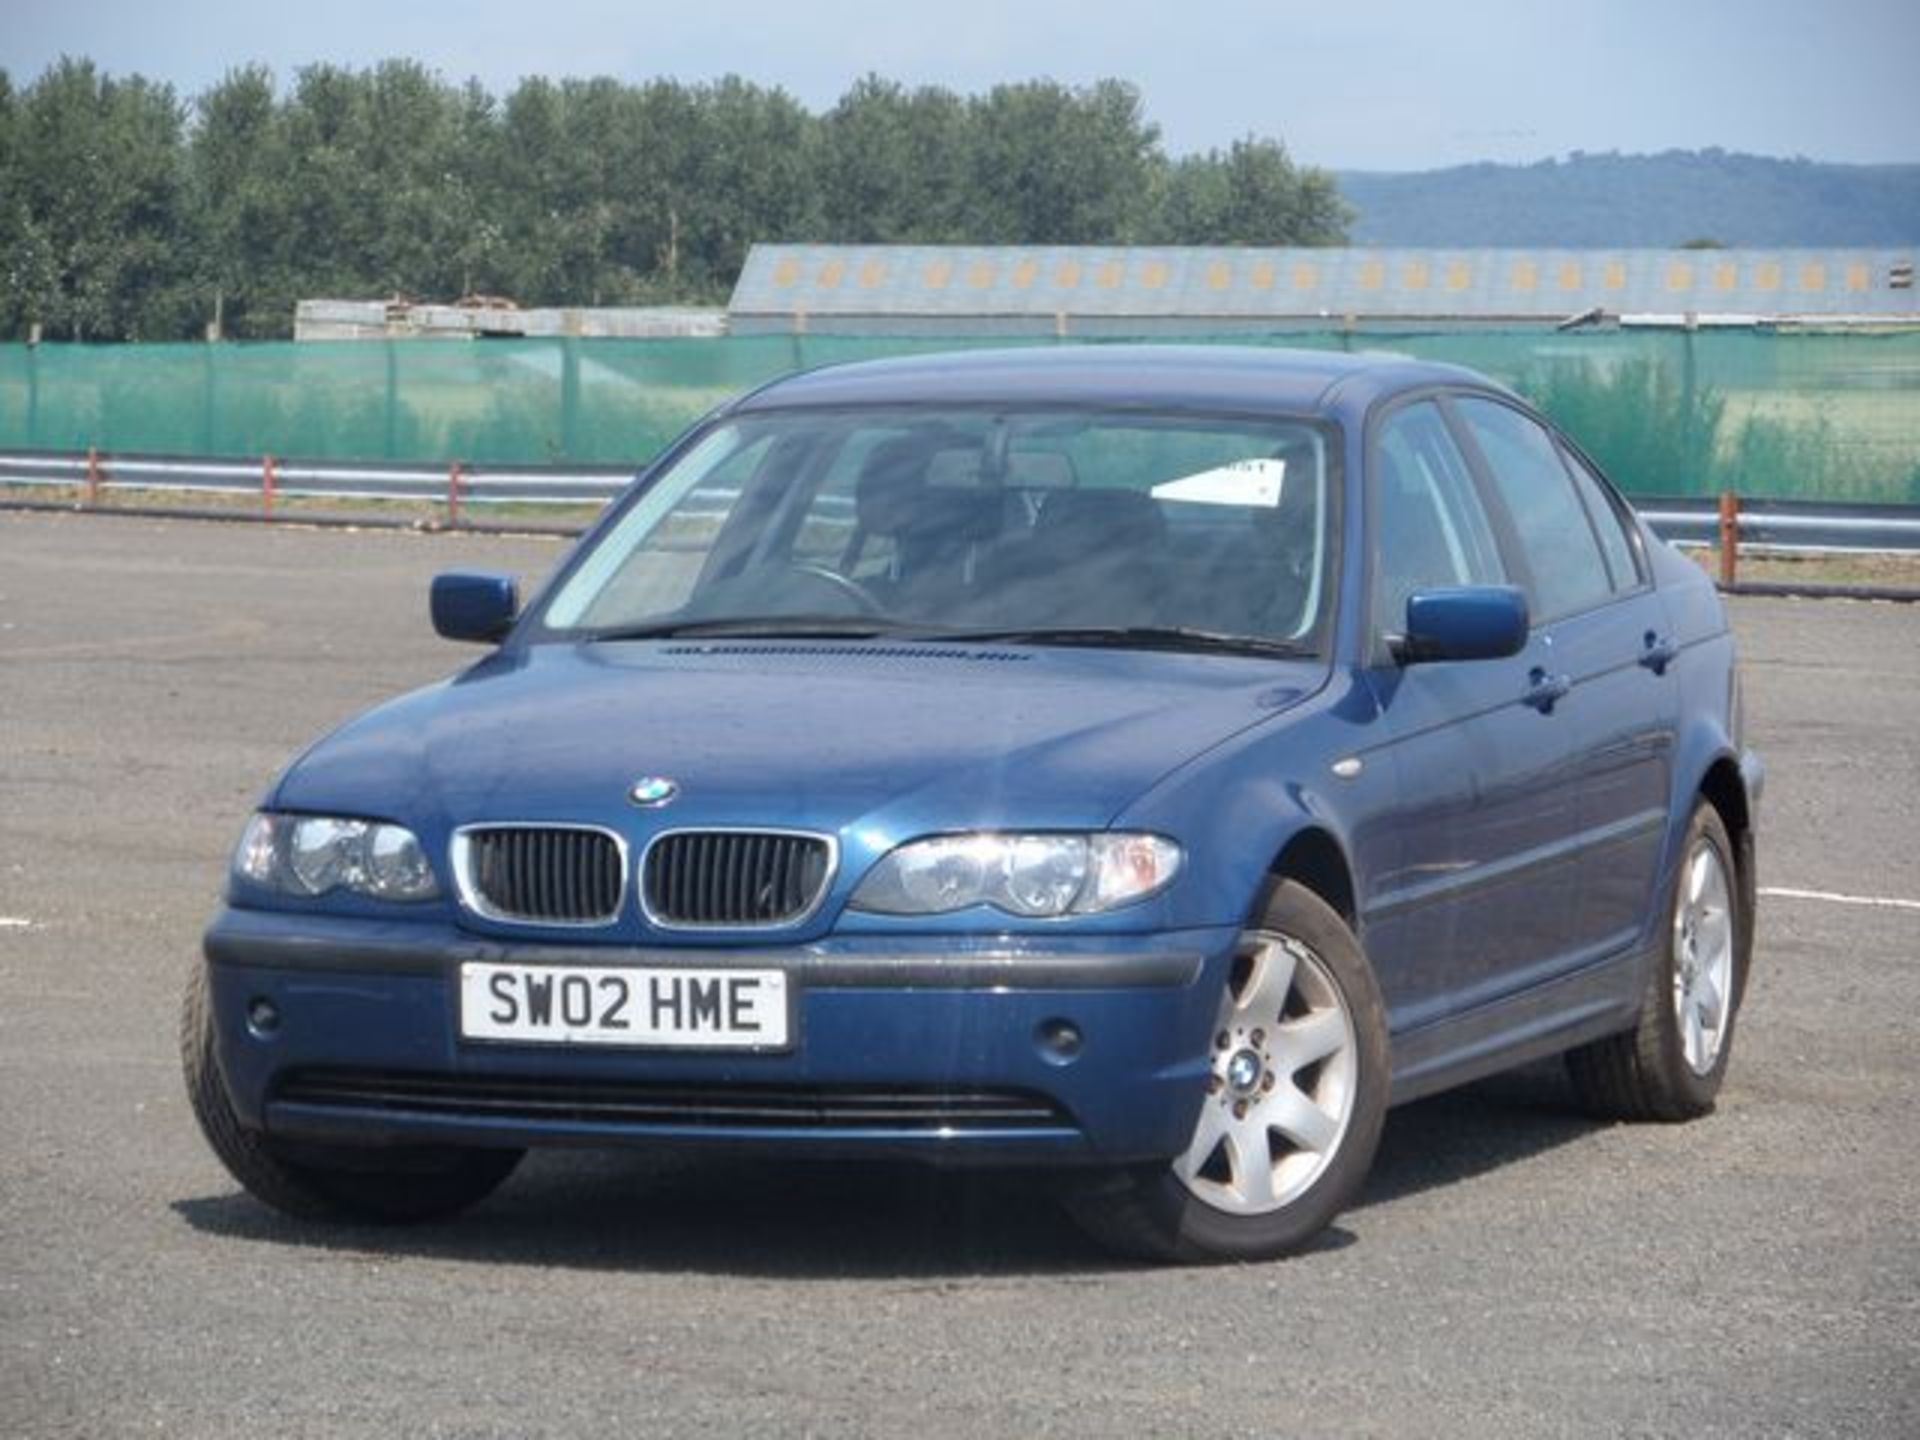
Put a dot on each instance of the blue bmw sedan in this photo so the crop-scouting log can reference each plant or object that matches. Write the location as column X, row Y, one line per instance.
column 1146, row 763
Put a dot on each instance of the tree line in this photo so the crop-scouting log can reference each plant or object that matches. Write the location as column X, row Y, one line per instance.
column 129, row 213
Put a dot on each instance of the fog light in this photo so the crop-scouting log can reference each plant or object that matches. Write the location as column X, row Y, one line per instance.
column 263, row 1016
column 1060, row 1041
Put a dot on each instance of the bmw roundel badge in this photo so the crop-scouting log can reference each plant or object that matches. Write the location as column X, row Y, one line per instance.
column 653, row 791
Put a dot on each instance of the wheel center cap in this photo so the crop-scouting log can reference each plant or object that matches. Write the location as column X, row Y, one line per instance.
column 1243, row 1071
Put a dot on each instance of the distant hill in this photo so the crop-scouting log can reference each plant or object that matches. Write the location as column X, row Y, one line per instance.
column 1639, row 200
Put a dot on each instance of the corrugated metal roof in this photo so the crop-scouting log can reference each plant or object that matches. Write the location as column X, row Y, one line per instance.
column 796, row 287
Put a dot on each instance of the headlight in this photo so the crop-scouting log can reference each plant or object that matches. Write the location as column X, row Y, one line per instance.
column 1036, row 875
column 312, row 854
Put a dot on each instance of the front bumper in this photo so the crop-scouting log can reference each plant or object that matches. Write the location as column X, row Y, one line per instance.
column 925, row 1046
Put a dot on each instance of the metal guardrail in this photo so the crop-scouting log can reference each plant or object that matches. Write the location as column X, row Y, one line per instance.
column 1798, row 526
column 270, row 478
column 1792, row 526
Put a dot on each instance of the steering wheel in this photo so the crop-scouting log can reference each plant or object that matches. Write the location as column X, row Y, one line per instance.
column 845, row 586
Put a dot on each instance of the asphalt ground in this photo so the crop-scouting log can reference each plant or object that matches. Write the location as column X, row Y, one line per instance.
column 1513, row 1268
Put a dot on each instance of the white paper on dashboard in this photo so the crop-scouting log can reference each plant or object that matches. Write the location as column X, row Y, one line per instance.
column 1254, row 483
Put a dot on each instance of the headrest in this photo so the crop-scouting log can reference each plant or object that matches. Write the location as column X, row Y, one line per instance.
column 1040, row 470
column 890, row 484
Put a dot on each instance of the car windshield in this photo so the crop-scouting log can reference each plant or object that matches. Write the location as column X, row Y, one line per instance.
column 1082, row 527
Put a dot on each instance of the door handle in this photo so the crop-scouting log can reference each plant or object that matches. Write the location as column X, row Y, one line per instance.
column 1657, row 652
column 1543, row 690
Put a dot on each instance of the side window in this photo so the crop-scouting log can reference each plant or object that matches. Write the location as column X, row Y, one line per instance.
column 1569, row 573
column 1429, row 527
column 1608, row 523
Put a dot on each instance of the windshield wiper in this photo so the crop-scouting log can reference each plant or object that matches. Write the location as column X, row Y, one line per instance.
column 1134, row 637
column 870, row 627
column 782, row 627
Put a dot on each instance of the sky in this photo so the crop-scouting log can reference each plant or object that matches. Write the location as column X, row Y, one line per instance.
column 1384, row 85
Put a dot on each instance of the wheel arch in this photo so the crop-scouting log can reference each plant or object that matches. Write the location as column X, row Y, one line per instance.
column 1725, row 789
column 1314, row 858
column 1722, row 788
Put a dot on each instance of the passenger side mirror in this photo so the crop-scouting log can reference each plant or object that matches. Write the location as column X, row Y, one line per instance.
column 1469, row 622
column 474, row 607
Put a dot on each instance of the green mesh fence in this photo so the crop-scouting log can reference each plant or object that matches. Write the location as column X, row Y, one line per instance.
column 1819, row 416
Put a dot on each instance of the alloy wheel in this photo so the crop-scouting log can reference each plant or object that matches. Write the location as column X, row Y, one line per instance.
column 1282, row 1085
column 1702, row 957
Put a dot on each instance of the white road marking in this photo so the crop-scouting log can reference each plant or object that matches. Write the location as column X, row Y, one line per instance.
column 15, row 922
column 1882, row 902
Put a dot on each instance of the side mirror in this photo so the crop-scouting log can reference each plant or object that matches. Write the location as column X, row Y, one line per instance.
column 474, row 607
column 1471, row 622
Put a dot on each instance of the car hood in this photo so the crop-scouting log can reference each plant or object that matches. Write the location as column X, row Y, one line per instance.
column 896, row 739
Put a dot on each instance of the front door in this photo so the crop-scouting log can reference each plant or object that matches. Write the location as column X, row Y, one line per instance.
column 1588, row 582
column 1476, row 895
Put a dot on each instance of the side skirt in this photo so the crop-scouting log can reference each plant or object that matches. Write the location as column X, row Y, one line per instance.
column 1599, row 1000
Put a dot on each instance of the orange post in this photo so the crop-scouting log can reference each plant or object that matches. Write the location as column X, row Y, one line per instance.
column 1729, row 537
column 266, row 486
column 453, row 496
column 93, row 476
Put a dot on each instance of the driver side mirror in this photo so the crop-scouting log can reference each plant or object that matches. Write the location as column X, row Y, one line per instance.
column 1468, row 622
column 474, row 606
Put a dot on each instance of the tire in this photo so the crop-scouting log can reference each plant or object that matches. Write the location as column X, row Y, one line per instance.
column 1287, row 1130
column 1670, row 1066
column 376, row 1184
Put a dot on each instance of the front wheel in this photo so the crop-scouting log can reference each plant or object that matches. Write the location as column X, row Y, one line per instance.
column 1296, row 1093
column 333, row 1182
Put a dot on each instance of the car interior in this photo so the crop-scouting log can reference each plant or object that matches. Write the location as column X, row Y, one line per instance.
column 933, row 539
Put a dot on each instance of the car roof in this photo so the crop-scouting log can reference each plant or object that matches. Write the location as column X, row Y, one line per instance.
column 1251, row 378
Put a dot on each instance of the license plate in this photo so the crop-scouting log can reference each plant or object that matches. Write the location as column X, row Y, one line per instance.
column 669, row 1008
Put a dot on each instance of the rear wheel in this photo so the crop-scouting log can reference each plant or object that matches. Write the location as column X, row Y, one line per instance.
column 1295, row 1098
column 1671, row 1064
column 388, row 1185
